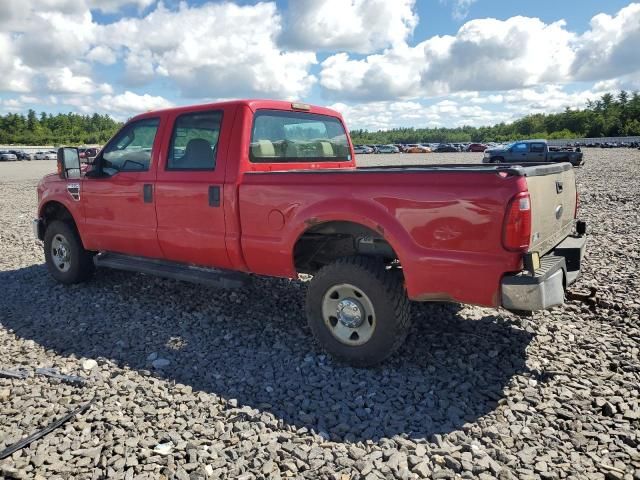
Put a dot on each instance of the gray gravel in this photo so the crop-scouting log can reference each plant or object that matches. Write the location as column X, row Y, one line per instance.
column 197, row 383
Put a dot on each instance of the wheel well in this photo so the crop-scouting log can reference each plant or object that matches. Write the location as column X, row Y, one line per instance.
column 324, row 243
column 57, row 211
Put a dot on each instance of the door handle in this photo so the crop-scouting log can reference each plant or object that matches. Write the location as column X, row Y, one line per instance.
column 214, row 196
column 147, row 193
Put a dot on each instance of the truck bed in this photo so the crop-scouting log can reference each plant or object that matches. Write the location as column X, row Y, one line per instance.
column 438, row 219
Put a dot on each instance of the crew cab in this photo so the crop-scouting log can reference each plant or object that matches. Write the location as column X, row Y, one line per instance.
column 214, row 192
column 532, row 151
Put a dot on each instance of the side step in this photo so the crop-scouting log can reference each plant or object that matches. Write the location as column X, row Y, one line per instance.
column 177, row 271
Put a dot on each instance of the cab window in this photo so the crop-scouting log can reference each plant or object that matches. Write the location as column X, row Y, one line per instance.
column 537, row 148
column 130, row 150
column 194, row 141
column 281, row 136
column 520, row 147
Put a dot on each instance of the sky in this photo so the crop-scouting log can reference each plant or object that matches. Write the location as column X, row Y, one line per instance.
column 381, row 63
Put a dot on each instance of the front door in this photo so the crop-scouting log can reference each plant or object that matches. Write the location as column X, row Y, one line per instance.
column 119, row 205
column 189, row 188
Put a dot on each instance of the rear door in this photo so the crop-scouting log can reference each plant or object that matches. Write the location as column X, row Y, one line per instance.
column 553, row 203
column 537, row 152
column 189, row 187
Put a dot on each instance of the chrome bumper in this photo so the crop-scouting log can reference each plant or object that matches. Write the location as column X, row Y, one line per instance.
column 545, row 288
column 38, row 230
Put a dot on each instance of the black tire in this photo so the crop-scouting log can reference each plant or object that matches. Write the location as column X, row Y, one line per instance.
column 80, row 261
column 497, row 160
column 383, row 290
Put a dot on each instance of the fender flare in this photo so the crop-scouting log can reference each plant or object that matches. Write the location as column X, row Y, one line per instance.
column 366, row 213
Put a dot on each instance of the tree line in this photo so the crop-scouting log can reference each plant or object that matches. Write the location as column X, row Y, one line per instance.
column 609, row 116
column 60, row 129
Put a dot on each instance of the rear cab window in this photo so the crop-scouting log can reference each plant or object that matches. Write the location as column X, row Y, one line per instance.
column 283, row 136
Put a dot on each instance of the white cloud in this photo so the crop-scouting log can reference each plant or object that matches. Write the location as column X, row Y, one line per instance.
column 361, row 26
column 65, row 81
column 388, row 114
column 460, row 8
column 485, row 54
column 611, row 47
column 129, row 103
column 15, row 77
column 102, row 54
column 112, row 6
column 212, row 50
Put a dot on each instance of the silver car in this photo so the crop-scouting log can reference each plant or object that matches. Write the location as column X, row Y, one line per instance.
column 7, row 156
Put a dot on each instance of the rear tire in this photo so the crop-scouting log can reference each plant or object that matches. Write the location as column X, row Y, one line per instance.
column 358, row 310
column 67, row 260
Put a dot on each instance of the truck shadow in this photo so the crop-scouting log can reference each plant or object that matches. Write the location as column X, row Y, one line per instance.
column 254, row 346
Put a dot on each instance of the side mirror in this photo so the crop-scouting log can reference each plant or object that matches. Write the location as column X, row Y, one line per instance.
column 68, row 162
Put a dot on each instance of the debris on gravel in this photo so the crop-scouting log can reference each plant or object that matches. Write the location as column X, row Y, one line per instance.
column 192, row 383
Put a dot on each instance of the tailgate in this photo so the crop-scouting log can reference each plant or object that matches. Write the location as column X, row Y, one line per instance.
column 553, row 203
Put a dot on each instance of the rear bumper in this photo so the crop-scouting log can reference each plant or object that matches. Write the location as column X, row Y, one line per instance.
column 546, row 287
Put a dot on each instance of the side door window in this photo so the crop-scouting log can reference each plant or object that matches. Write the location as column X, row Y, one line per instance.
column 537, row 148
column 194, row 142
column 130, row 150
column 520, row 148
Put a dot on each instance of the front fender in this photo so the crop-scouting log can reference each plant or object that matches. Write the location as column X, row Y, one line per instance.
column 57, row 192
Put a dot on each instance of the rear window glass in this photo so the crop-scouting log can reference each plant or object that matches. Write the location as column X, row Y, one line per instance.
column 279, row 136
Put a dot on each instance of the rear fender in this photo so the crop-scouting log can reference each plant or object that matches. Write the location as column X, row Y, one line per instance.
column 367, row 214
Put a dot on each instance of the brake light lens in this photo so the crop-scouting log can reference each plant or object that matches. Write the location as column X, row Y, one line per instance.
column 516, row 233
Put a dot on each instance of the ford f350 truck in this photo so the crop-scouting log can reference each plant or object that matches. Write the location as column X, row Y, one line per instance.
column 211, row 193
column 532, row 151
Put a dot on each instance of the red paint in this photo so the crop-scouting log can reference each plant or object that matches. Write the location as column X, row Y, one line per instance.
column 446, row 227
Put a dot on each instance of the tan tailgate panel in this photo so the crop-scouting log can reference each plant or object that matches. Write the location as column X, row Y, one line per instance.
column 553, row 203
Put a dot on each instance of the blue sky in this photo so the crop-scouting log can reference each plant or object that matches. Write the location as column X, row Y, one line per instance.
column 382, row 63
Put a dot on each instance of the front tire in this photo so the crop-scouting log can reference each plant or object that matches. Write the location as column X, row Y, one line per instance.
column 67, row 260
column 358, row 310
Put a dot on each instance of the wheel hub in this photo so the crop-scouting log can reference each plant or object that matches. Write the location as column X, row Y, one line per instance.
column 61, row 253
column 350, row 312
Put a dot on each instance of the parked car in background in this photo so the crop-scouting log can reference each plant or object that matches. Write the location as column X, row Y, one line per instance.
column 415, row 148
column 50, row 155
column 388, row 149
column 445, row 147
column 20, row 154
column 476, row 147
column 532, row 151
column 7, row 156
column 361, row 149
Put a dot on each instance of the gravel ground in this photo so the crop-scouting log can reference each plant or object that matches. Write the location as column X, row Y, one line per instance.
column 197, row 383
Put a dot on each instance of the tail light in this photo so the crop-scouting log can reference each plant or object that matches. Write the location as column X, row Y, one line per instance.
column 516, row 233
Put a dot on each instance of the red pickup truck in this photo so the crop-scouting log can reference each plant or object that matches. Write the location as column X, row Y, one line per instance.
column 210, row 193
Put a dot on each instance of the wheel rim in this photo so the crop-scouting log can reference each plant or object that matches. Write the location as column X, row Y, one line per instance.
column 61, row 253
column 348, row 314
